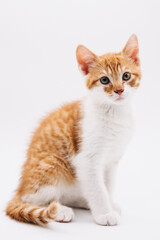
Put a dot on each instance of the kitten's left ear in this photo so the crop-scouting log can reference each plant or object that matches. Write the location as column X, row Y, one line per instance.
column 131, row 49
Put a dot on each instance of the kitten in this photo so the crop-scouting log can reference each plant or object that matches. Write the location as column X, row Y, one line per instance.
column 73, row 155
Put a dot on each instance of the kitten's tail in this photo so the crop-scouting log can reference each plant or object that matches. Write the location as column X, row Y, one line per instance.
column 26, row 212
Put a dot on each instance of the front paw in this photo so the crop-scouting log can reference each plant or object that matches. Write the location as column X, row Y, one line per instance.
column 108, row 219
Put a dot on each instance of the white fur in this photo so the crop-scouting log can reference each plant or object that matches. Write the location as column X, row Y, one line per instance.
column 106, row 130
column 111, row 218
column 66, row 195
column 64, row 214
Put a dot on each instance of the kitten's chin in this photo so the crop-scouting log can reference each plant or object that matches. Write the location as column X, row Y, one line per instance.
column 118, row 100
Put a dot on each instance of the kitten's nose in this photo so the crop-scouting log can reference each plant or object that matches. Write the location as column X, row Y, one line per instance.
column 119, row 91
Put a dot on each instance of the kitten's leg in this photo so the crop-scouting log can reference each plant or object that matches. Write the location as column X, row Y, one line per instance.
column 96, row 193
column 41, row 186
column 109, row 177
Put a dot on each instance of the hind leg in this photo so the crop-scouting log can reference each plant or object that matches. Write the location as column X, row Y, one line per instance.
column 42, row 185
column 46, row 195
column 64, row 214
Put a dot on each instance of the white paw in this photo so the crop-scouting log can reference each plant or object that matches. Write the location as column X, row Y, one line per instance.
column 116, row 208
column 64, row 214
column 108, row 219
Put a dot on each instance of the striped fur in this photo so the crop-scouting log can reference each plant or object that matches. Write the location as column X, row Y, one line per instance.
column 73, row 154
column 26, row 212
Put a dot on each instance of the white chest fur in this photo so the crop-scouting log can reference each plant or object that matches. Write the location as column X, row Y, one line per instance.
column 105, row 133
column 106, row 130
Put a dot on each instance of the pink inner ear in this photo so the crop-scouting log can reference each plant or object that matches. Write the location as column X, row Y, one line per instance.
column 134, row 55
column 131, row 49
column 83, row 63
column 84, row 69
column 84, row 58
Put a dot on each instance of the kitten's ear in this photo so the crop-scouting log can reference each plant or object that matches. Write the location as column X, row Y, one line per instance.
column 131, row 49
column 85, row 58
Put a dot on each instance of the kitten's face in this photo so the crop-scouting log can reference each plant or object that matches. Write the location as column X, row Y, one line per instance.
column 111, row 77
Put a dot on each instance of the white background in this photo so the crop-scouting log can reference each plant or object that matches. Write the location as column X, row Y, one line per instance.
column 38, row 72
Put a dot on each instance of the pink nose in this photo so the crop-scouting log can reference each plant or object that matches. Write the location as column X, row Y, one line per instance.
column 119, row 91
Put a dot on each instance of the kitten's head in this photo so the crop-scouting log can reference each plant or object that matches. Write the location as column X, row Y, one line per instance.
column 111, row 77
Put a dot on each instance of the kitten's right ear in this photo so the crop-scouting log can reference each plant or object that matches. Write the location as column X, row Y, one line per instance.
column 131, row 49
column 85, row 58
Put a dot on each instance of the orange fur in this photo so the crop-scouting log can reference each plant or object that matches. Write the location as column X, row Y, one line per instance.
column 58, row 137
column 56, row 140
column 24, row 212
column 113, row 65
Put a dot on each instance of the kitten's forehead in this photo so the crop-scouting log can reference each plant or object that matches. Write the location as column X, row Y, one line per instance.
column 113, row 63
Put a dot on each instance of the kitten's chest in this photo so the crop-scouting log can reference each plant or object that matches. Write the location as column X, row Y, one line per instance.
column 107, row 132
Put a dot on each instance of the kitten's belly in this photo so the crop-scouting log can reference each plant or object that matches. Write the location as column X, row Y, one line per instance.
column 69, row 195
column 72, row 196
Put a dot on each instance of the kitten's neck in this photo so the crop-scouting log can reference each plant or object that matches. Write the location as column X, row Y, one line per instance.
column 107, row 107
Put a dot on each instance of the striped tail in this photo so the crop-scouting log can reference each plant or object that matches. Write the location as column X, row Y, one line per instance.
column 25, row 212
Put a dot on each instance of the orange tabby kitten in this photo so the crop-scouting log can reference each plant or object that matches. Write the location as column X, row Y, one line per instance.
column 73, row 154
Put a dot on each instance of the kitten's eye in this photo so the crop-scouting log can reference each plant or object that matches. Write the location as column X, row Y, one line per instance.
column 104, row 80
column 126, row 76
